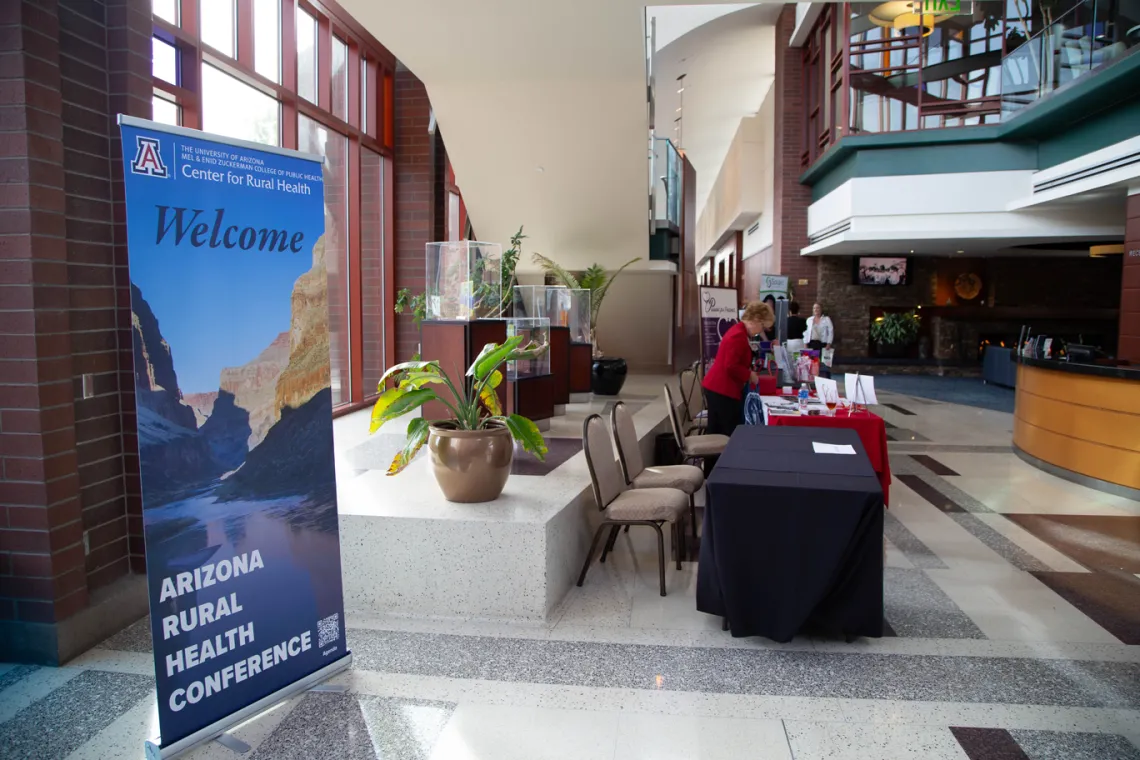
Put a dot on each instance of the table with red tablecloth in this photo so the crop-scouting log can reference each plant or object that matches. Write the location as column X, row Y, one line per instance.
column 870, row 427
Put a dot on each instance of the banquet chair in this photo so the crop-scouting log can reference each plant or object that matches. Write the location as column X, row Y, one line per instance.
column 694, row 416
column 683, row 477
column 621, row 506
column 694, row 448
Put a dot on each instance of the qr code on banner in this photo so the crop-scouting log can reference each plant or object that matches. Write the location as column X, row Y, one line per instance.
column 328, row 630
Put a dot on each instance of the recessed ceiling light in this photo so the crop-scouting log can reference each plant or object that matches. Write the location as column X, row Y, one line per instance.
column 912, row 251
column 961, row 251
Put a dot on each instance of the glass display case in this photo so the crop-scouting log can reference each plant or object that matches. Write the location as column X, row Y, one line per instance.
column 464, row 280
column 579, row 317
column 558, row 305
column 529, row 301
column 532, row 330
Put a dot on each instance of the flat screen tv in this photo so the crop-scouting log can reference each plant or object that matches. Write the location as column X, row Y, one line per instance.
column 880, row 270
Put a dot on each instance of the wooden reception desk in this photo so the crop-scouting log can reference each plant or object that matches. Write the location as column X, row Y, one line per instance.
column 1081, row 418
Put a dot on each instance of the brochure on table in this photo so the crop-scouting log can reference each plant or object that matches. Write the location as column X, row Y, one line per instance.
column 860, row 389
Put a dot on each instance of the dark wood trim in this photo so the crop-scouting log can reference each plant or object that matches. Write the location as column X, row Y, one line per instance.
column 581, row 367
column 560, row 363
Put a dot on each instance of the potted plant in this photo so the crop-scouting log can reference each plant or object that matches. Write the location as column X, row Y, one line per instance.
column 893, row 333
column 472, row 451
column 608, row 375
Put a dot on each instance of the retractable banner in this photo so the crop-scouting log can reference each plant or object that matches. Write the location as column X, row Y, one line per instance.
column 229, row 315
column 774, row 285
column 719, row 312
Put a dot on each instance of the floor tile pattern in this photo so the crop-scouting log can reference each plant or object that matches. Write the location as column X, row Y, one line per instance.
column 77, row 710
column 1012, row 632
column 1057, row 745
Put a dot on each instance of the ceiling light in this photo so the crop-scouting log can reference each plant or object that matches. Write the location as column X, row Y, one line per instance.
column 539, row 169
column 900, row 14
column 961, row 251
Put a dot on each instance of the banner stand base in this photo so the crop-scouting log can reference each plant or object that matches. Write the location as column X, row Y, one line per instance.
column 155, row 750
column 232, row 743
column 334, row 688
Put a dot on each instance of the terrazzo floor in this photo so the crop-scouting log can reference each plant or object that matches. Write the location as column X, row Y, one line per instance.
column 1012, row 605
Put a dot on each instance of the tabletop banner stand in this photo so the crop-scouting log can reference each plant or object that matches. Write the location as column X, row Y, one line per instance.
column 230, row 323
column 719, row 312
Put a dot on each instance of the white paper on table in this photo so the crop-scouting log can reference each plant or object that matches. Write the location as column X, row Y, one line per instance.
column 831, row 448
column 825, row 385
column 860, row 389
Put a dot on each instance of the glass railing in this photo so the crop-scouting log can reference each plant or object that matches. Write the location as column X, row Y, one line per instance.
column 1080, row 41
column 665, row 173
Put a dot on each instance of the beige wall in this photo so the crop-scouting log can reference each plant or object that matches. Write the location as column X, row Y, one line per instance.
column 636, row 322
column 636, row 318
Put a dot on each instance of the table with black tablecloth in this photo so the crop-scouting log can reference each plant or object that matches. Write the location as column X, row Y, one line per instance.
column 793, row 540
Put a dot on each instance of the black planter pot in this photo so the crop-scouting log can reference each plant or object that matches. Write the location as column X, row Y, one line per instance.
column 608, row 376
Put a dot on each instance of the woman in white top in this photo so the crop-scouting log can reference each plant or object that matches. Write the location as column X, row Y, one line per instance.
column 820, row 332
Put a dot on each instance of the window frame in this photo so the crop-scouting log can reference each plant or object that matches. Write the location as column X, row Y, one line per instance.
column 378, row 137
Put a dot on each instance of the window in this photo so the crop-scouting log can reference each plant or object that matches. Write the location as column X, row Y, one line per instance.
column 339, row 79
column 164, row 60
column 165, row 112
column 315, row 138
column 234, row 109
column 306, row 56
column 202, row 80
column 372, row 268
column 267, row 39
column 364, row 85
column 453, row 231
column 167, row 10
column 218, row 25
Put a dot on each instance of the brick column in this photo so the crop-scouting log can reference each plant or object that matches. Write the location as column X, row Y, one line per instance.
column 42, row 576
column 1128, row 343
column 64, row 555
column 791, row 198
column 413, row 196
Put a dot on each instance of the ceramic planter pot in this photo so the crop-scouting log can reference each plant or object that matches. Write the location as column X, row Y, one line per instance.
column 471, row 466
column 608, row 376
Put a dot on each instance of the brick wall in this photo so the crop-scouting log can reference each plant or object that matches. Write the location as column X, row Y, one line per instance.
column 791, row 198
column 70, row 474
column 413, row 170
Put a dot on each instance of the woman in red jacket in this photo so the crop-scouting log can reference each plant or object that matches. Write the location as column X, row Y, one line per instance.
column 731, row 371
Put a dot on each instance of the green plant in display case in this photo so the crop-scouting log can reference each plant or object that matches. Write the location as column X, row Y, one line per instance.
column 473, row 402
column 593, row 279
column 896, row 329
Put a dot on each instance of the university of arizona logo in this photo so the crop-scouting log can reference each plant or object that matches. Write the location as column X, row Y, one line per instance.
column 148, row 158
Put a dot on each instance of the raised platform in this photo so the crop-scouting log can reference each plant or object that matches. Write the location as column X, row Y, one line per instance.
column 407, row 551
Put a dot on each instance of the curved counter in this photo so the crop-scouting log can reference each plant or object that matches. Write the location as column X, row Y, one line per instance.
column 1080, row 422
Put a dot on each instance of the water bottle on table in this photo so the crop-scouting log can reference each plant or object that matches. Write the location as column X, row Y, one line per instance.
column 803, row 397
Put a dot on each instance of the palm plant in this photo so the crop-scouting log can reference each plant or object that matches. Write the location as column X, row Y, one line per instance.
column 474, row 403
column 593, row 279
